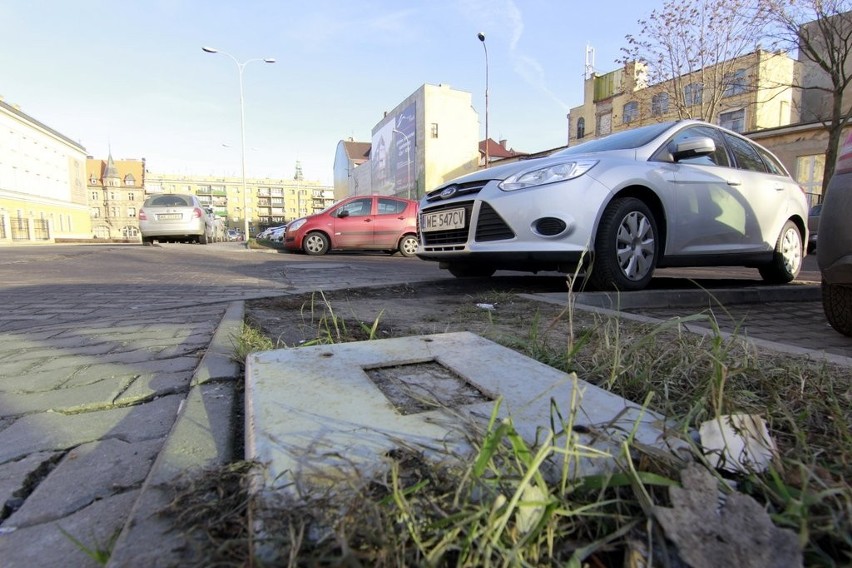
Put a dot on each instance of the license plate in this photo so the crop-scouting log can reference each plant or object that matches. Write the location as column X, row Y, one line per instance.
column 168, row 216
column 445, row 220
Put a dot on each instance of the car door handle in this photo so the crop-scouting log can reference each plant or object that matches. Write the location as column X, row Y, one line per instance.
column 734, row 182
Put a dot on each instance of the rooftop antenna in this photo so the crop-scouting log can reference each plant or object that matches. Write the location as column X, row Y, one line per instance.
column 590, row 61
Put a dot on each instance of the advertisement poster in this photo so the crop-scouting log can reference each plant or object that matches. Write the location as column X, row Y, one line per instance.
column 393, row 156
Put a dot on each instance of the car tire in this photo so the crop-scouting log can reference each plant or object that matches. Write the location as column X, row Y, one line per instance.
column 315, row 244
column 202, row 239
column 787, row 259
column 147, row 240
column 408, row 245
column 471, row 271
column 837, row 305
column 625, row 250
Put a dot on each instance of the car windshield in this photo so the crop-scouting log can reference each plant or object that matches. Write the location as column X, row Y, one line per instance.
column 620, row 141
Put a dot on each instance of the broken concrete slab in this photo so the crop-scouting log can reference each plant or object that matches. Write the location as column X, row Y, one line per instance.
column 315, row 411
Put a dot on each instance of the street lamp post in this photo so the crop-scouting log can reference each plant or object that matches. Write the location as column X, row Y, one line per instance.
column 240, row 67
column 407, row 158
column 481, row 37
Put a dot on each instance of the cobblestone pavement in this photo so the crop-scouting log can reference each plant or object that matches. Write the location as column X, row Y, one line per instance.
column 98, row 348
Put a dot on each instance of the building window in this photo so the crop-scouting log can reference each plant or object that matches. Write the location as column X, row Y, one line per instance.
column 113, row 212
column 692, row 94
column 434, row 129
column 131, row 212
column 630, row 112
column 112, row 196
column 129, row 231
column 131, row 196
column 733, row 120
column 735, row 83
column 660, row 104
column 809, row 170
column 96, row 212
column 581, row 128
column 95, row 195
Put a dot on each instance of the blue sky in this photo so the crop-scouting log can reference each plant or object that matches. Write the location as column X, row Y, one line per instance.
column 130, row 76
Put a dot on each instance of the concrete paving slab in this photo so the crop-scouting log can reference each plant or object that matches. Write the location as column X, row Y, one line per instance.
column 93, row 527
column 54, row 431
column 314, row 413
column 87, row 473
column 99, row 395
column 14, row 475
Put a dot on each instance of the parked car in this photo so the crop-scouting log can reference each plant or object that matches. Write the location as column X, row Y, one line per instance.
column 267, row 233
column 357, row 223
column 683, row 193
column 173, row 216
column 234, row 235
column 276, row 234
column 834, row 253
column 813, row 226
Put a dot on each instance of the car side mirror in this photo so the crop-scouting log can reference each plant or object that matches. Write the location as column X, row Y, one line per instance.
column 343, row 213
column 692, row 148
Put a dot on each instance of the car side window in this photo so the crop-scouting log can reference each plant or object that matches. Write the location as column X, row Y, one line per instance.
column 357, row 208
column 390, row 206
column 772, row 163
column 745, row 154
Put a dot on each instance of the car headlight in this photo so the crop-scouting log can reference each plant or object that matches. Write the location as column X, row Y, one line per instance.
column 551, row 174
column 295, row 224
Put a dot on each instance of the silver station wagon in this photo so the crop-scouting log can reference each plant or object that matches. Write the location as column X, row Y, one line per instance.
column 683, row 193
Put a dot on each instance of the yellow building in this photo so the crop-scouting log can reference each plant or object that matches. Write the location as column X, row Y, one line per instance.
column 270, row 201
column 116, row 190
column 428, row 138
column 42, row 182
column 746, row 94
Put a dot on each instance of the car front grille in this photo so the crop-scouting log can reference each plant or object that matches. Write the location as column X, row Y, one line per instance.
column 490, row 226
column 456, row 189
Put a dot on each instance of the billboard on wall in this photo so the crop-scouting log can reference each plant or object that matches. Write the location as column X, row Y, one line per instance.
column 393, row 155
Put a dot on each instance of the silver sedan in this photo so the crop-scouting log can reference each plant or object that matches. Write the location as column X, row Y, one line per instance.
column 173, row 216
column 683, row 193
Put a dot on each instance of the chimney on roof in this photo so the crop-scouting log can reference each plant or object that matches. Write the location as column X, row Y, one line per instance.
column 503, row 143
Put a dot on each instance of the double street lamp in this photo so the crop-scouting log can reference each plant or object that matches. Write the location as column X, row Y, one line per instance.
column 240, row 67
column 481, row 37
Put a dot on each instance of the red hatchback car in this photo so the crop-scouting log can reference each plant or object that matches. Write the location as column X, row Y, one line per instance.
column 373, row 222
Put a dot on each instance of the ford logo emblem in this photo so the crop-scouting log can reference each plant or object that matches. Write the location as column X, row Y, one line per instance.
column 449, row 192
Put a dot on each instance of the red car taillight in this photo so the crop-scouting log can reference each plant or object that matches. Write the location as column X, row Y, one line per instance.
column 197, row 213
column 142, row 215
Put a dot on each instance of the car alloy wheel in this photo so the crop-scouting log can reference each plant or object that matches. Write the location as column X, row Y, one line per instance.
column 787, row 259
column 315, row 243
column 408, row 245
column 625, row 247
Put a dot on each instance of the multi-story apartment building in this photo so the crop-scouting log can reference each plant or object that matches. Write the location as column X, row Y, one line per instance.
column 428, row 138
column 270, row 201
column 42, row 182
column 750, row 93
column 116, row 190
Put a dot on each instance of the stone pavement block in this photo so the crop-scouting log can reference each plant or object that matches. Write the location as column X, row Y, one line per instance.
column 87, row 473
column 99, row 395
column 13, row 474
column 137, row 360
column 46, row 545
column 149, row 385
column 53, row 431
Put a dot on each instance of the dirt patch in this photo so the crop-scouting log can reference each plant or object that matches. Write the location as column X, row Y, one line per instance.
column 398, row 311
